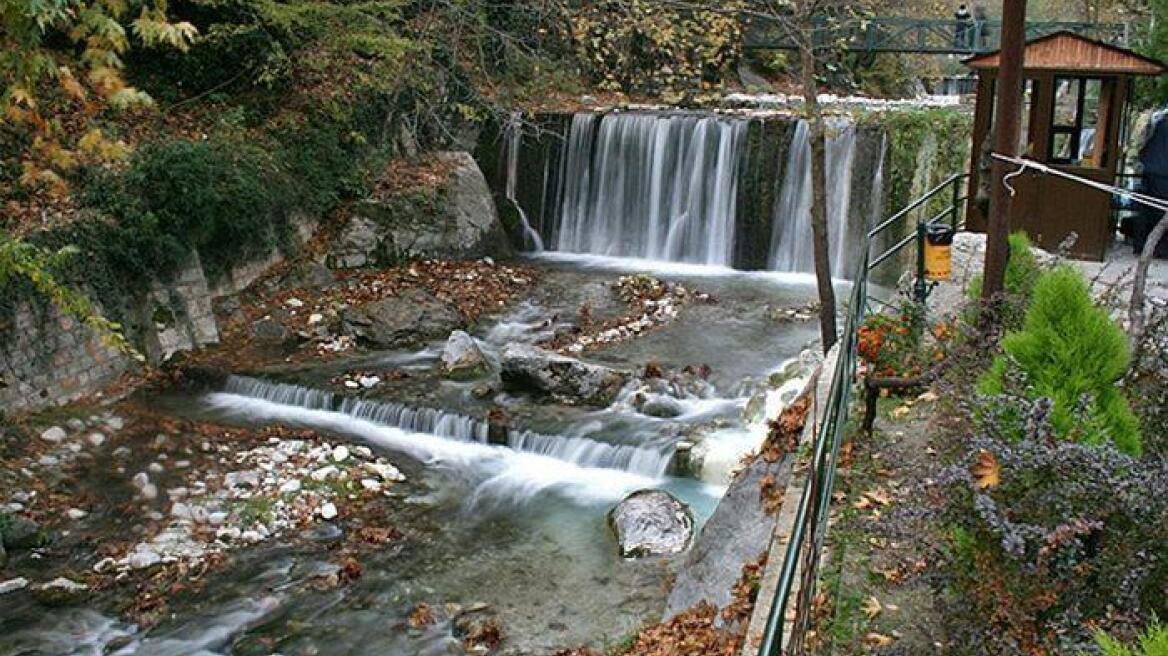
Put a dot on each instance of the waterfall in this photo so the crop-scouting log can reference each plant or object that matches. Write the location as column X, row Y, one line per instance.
column 672, row 186
column 791, row 233
column 657, row 186
column 582, row 451
column 513, row 138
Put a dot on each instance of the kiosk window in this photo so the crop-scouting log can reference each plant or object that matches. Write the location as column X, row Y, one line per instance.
column 1076, row 120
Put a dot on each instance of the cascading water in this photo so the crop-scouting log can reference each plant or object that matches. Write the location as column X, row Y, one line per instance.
column 665, row 186
column 581, row 451
column 791, row 236
column 513, row 140
column 662, row 187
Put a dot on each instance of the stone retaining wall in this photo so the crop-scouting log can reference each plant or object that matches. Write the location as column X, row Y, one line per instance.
column 49, row 359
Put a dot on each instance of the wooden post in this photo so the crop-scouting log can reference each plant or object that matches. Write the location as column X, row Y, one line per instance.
column 1006, row 127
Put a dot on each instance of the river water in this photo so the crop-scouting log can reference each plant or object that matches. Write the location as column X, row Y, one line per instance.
column 521, row 528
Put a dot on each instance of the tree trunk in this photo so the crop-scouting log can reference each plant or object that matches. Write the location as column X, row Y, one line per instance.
column 1135, row 311
column 1006, row 127
column 827, row 328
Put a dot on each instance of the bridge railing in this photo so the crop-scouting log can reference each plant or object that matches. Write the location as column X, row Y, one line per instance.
column 920, row 35
column 792, row 605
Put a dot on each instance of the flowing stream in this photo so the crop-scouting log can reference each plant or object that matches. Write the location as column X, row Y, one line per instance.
column 518, row 522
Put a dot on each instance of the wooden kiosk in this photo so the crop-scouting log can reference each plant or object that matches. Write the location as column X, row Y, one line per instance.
column 1072, row 118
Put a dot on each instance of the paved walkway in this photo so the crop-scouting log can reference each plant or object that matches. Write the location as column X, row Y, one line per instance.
column 1120, row 265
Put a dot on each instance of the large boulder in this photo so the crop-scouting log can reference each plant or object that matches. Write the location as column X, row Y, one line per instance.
column 651, row 523
column 409, row 319
column 528, row 368
column 462, row 359
column 455, row 219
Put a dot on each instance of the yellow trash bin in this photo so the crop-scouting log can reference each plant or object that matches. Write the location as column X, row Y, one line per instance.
column 938, row 252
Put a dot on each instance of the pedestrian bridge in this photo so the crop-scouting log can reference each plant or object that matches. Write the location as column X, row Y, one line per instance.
column 917, row 35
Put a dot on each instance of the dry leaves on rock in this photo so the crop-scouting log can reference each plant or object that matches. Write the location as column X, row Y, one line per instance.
column 786, row 429
column 422, row 615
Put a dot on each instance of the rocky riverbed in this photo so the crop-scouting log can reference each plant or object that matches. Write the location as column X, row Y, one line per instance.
column 383, row 484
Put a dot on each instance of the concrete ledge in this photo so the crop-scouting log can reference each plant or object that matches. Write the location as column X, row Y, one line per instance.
column 777, row 550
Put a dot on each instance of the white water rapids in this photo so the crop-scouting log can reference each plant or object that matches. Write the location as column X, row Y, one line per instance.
column 584, row 470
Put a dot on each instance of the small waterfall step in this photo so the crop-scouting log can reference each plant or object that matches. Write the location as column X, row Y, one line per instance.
column 582, row 451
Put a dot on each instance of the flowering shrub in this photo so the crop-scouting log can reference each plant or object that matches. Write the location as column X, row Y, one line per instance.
column 895, row 344
column 1049, row 540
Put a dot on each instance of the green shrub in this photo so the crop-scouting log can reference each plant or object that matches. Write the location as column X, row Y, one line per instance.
column 1070, row 352
column 1022, row 271
column 226, row 199
column 1153, row 642
column 1049, row 541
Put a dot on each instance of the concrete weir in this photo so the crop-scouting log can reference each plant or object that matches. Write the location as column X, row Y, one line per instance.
column 683, row 186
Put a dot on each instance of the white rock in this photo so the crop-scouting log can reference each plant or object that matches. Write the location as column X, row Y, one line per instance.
column 340, row 453
column 352, row 384
column 96, row 439
column 65, row 585
column 216, row 518
column 74, row 447
column 324, row 473
column 371, row 485
column 237, row 479
column 182, row 464
column 154, row 468
column 54, row 434
column 251, row 536
column 115, row 422
column 328, row 510
column 122, row 452
column 155, row 516
column 143, row 558
column 12, row 585
column 369, row 382
column 105, row 565
column 14, row 507
column 178, row 493
column 76, row 513
column 48, row 461
column 363, row 452
column 75, row 424
column 290, row 486
column 140, row 480
column 294, row 303
column 315, row 318
column 386, row 471
column 149, row 491
column 229, row 533
column 180, row 511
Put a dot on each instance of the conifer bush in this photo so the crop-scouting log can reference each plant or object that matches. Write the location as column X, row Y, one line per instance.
column 1071, row 352
column 1153, row 642
column 1022, row 271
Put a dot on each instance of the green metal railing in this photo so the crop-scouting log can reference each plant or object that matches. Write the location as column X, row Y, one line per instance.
column 805, row 544
column 920, row 35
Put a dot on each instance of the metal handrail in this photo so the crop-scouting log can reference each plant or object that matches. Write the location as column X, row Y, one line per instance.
column 928, row 195
column 924, row 35
column 805, row 544
column 952, row 184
